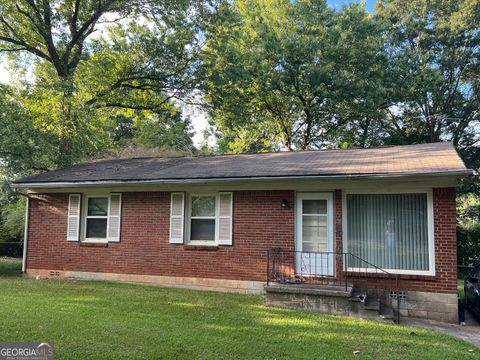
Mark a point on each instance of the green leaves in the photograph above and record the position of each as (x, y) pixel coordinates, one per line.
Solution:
(301, 74)
(54, 31)
(23, 146)
(434, 56)
(93, 62)
(93, 76)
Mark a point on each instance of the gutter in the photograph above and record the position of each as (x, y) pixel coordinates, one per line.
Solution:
(25, 235)
(24, 185)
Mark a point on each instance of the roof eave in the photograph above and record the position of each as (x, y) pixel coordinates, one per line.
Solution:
(73, 184)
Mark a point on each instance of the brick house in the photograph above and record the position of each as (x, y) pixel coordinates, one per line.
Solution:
(378, 219)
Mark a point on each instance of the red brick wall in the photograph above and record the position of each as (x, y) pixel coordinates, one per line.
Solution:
(445, 216)
(260, 223)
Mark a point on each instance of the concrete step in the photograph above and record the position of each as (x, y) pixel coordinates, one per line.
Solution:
(358, 297)
(386, 313)
(311, 289)
(331, 299)
(372, 305)
(368, 307)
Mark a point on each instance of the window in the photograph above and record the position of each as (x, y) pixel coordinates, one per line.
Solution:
(203, 217)
(314, 225)
(96, 218)
(390, 231)
(209, 218)
(99, 216)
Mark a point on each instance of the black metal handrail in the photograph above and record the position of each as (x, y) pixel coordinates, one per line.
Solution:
(322, 268)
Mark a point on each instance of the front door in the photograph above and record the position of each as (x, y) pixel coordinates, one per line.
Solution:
(314, 237)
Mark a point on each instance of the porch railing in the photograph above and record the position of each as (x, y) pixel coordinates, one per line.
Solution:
(328, 268)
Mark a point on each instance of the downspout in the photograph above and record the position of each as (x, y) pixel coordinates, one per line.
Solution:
(25, 235)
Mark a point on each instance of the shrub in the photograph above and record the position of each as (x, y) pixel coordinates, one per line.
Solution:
(468, 238)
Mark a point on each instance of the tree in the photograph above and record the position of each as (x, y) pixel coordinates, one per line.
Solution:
(53, 31)
(13, 216)
(168, 131)
(293, 75)
(434, 55)
(86, 68)
(23, 146)
(81, 83)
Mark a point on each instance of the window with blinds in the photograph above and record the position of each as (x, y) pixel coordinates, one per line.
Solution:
(389, 230)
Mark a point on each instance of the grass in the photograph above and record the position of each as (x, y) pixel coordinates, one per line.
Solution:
(10, 266)
(91, 320)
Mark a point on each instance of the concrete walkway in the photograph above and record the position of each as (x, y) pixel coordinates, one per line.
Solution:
(470, 332)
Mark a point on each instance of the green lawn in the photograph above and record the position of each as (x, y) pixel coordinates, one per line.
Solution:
(10, 266)
(91, 320)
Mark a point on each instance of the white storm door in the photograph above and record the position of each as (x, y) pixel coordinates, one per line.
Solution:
(314, 234)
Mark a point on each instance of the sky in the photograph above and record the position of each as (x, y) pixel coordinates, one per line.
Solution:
(4, 75)
(199, 119)
(370, 4)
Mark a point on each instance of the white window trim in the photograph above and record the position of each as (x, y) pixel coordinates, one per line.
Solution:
(430, 229)
(189, 220)
(86, 216)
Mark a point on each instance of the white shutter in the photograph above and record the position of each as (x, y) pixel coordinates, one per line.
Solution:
(114, 216)
(177, 213)
(225, 209)
(73, 218)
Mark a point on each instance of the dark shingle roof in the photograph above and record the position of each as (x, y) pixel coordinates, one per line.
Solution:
(427, 159)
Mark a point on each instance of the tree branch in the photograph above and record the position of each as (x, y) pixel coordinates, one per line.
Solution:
(27, 47)
(79, 36)
(86, 25)
(153, 108)
(13, 49)
(74, 18)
